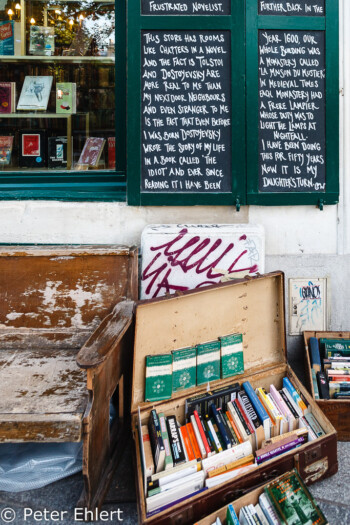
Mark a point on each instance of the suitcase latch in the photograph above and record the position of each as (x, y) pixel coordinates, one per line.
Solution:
(313, 455)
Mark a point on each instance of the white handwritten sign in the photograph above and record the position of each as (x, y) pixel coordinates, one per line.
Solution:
(183, 257)
(307, 305)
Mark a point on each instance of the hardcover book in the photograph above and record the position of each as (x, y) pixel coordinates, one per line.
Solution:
(163, 427)
(293, 502)
(35, 93)
(7, 97)
(42, 41)
(6, 144)
(32, 149)
(57, 152)
(111, 153)
(66, 97)
(91, 152)
(7, 40)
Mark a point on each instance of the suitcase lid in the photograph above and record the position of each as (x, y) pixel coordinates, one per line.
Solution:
(251, 306)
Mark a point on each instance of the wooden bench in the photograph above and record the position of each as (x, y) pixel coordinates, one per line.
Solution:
(65, 348)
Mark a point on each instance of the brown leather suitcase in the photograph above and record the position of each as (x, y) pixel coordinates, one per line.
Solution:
(337, 410)
(255, 308)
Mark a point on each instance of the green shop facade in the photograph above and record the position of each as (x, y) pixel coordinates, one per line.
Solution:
(174, 103)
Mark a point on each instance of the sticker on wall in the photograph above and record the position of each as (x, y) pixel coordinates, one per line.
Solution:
(307, 304)
(179, 257)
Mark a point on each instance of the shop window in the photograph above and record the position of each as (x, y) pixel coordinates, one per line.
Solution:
(61, 108)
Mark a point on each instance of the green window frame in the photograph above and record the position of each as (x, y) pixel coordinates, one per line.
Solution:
(74, 185)
(328, 24)
(233, 23)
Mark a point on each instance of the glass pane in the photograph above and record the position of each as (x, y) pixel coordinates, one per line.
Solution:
(57, 83)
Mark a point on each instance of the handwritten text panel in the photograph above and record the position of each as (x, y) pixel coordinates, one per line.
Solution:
(292, 8)
(186, 112)
(292, 111)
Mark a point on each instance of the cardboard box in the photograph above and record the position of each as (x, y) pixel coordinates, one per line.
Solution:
(255, 308)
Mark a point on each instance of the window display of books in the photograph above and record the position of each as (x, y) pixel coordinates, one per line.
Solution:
(224, 432)
(57, 81)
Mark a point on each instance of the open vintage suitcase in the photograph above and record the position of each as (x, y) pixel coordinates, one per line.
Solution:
(337, 410)
(255, 308)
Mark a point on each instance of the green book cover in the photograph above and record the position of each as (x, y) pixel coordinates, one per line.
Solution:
(184, 368)
(232, 362)
(329, 341)
(337, 348)
(208, 362)
(66, 97)
(158, 377)
(293, 502)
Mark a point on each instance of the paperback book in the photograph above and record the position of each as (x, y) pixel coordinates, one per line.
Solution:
(7, 37)
(35, 93)
(6, 144)
(7, 97)
(32, 149)
(42, 40)
(57, 152)
(293, 502)
(66, 97)
(92, 151)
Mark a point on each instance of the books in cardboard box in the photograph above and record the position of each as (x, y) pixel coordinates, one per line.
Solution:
(35, 93)
(6, 144)
(42, 40)
(92, 151)
(66, 97)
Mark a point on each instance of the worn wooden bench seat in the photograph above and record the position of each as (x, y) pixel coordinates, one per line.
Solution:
(65, 318)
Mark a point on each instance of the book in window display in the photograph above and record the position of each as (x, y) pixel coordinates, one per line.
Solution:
(91, 153)
(35, 93)
(7, 97)
(66, 97)
(57, 152)
(7, 39)
(42, 41)
(32, 149)
(6, 144)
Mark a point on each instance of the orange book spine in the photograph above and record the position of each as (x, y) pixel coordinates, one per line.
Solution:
(234, 426)
(187, 443)
(193, 441)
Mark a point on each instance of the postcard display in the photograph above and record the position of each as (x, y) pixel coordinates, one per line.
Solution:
(336, 410)
(254, 308)
(57, 85)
